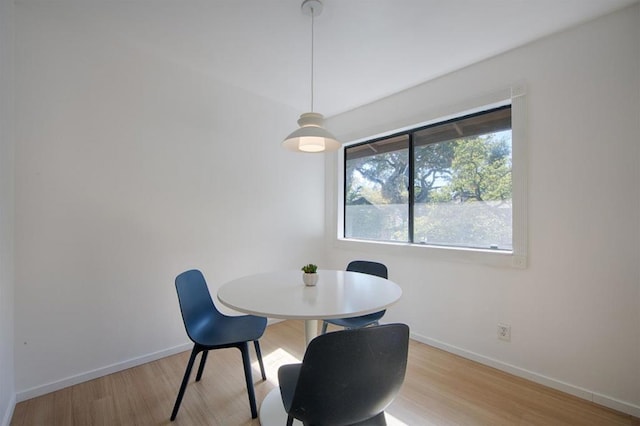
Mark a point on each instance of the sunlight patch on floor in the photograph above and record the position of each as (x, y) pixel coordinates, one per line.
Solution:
(392, 421)
(273, 361)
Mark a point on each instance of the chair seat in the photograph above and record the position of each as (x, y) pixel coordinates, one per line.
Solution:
(357, 322)
(224, 330)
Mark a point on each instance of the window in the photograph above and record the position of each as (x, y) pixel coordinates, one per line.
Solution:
(446, 184)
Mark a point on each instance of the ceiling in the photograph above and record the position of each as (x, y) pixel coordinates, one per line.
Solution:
(364, 49)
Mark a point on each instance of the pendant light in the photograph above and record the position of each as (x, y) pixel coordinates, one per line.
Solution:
(311, 136)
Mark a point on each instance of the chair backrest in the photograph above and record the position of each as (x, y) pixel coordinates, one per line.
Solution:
(196, 304)
(351, 375)
(368, 267)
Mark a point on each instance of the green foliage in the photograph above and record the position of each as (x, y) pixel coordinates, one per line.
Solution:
(481, 170)
(432, 167)
(310, 268)
(476, 168)
(383, 174)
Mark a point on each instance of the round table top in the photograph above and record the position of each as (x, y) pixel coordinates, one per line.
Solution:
(282, 294)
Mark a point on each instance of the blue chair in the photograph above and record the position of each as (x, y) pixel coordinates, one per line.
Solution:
(346, 378)
(209, 329)
(365, 267)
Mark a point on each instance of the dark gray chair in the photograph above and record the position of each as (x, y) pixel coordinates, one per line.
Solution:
(346, 378)
(365, 267)
(210, 329)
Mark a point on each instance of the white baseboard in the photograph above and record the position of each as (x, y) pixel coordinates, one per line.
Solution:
(6, 419)
(607, 401)
(103, 371)
(99, 372)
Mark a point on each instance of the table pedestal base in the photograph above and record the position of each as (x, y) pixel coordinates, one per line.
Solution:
(310, 330)
(272, 411)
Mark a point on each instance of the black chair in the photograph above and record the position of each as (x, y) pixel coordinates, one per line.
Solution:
(365, 267)
(346, 378)
(209, 329)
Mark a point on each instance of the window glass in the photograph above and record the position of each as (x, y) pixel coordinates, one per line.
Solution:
(447, 184)
(376, 190)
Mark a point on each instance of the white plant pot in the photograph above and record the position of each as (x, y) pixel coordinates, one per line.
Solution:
(310, 279)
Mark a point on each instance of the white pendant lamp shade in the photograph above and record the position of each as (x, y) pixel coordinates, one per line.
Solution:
(311, 136)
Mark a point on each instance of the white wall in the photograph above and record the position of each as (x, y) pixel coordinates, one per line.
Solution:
(130, 168)
(575, 310)
(7, 379)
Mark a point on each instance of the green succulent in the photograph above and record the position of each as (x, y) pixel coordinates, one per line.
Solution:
(310, 268)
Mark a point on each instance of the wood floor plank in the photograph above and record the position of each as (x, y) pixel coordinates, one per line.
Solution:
(439, 389)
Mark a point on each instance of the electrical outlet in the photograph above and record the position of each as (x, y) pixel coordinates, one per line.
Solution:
(519, 261)
(504, 332)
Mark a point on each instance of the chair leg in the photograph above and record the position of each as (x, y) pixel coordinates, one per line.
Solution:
(289, 420)
(246, 362)
(324, 327)
(185, 380)
(256, 345)
(203, 360)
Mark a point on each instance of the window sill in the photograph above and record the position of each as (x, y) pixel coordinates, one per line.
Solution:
(494, 258)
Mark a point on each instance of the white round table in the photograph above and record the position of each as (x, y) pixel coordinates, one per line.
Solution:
(283, 295)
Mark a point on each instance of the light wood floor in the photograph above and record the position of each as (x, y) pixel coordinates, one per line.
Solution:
(439, 389)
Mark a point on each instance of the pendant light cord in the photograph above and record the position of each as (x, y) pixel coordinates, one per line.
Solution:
(312, 19)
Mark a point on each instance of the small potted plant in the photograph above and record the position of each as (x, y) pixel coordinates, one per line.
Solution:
(310, 275)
